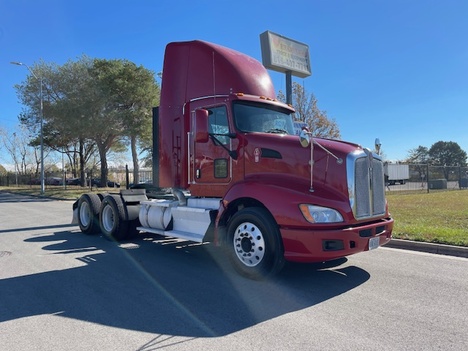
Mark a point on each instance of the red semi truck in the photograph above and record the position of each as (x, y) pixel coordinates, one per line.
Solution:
(239, 175)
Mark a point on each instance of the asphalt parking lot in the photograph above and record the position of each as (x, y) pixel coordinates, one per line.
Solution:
(63, 290)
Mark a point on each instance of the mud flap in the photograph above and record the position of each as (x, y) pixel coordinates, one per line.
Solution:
(75, 213)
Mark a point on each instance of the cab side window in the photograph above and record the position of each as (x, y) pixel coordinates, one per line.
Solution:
(218, 123)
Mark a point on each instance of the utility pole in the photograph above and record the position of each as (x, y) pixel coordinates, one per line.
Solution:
(41, 117)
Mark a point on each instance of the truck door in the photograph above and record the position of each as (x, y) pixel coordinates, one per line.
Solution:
(211, 162)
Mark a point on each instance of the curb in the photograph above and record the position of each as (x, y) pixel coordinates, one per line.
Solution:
(440, 249)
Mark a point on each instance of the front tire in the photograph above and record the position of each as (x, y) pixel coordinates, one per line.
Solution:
(254, 243)
(112, 218)
(88, 213)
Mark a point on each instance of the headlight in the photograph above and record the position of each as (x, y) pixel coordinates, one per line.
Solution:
(318, 214)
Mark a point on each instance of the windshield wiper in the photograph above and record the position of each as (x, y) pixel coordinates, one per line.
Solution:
(277, 131)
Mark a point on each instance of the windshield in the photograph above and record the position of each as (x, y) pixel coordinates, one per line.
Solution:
(257, 117)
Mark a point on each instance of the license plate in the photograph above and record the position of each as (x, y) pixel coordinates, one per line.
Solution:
(374, 243)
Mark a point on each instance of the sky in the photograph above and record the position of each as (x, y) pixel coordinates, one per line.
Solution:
(396, 70)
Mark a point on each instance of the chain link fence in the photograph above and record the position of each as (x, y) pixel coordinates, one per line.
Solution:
(116, 178)
(420, 177)
(415, 178)
(12, 179)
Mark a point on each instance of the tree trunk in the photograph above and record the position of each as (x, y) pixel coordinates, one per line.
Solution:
(82, 162)
(103, 157)
(37, 162)
(136, 168)
(71, 161)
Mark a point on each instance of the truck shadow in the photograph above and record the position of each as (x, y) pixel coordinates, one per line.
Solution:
(158, 285)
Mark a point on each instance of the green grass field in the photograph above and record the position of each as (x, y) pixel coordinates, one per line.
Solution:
(437, 217)
(57, 192)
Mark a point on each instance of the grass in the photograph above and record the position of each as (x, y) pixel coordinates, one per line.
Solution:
(437, 217)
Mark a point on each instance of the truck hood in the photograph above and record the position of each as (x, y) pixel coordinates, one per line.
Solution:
(281, 159)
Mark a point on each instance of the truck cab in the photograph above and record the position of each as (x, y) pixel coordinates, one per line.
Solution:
(241, 176)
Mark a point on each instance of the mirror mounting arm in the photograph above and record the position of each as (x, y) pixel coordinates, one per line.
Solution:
(232, 153)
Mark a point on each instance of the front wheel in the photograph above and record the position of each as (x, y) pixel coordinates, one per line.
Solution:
(254, 243)
(112, 218)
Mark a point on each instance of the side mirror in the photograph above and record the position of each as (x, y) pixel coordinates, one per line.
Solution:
(378, 145)
(304, 137)
(201, 126)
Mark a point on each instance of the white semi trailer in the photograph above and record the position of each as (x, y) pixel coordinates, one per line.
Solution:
(396, 173)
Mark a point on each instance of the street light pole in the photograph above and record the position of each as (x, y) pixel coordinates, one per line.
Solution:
(41, 121)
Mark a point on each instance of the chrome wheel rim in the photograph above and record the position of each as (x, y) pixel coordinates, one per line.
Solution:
(249, 244)
(108, 219)
(85, 214)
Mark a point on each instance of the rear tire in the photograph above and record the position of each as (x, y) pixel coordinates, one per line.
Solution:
(254, 243)
(88, 213)
(112, 218)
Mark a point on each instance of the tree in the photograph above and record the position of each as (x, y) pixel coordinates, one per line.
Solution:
(89, 105)
(447, 154)
(418, 155)
(71, 116)
(20, 152)
(66, 92)
(133, 91)
(307, 111)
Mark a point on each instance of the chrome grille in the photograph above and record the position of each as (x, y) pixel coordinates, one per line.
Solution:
(366, 186)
